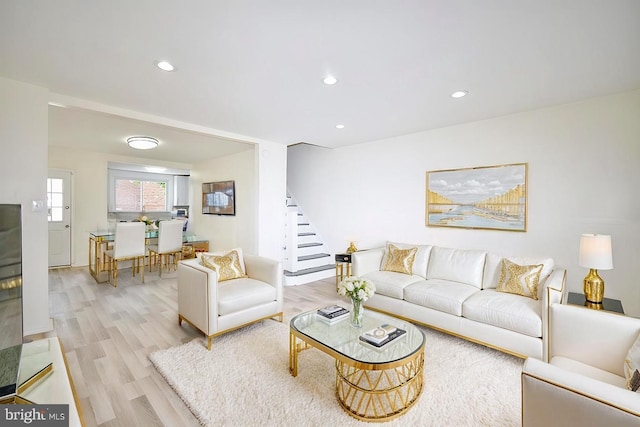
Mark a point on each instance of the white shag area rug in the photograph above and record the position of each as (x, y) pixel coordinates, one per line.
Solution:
(244, 381)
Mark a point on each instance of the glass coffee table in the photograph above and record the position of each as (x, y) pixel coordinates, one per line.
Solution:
(371, 384)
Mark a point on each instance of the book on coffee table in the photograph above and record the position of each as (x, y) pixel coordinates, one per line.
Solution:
(332, 314)
(382, 335)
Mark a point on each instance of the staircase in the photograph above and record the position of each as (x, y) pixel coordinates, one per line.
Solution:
(305, 259)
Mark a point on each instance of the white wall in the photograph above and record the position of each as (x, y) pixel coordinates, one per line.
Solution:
(260, 187)
(89, 192)
(260, 176)
(271, 180)
(584, 171)
(258, 226)
(226, 232)
(23, 172)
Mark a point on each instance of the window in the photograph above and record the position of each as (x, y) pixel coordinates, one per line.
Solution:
(140, 196)
(55, 199)
(131, 191)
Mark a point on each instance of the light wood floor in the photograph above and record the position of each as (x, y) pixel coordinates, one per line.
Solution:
(107, 334)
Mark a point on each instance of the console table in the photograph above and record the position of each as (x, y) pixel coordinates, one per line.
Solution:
(45, 379)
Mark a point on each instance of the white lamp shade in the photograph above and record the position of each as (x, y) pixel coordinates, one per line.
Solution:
(595, 252)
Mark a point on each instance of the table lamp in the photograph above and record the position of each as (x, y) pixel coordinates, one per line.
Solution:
(595, 254)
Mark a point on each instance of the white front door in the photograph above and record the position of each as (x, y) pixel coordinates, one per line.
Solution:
(59, 216)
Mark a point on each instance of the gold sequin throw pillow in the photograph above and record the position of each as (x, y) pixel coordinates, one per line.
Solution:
(632, 367)
(519, 279)
(399, 260)
(227, 266)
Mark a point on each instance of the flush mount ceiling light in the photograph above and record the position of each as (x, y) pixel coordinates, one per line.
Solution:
(165, 66)
(330, 80)
(142, 142)
(339, 126)
(459, 94)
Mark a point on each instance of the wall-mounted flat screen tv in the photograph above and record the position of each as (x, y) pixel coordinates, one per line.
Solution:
(10, 299)
(219, 198)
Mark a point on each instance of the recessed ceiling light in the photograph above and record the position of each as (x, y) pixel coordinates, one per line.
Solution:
(330, 80)
(459, 94)
(339, 126)
(142, 142)
(165, 66)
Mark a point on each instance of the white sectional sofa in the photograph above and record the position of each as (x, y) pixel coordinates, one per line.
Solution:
(454, 290)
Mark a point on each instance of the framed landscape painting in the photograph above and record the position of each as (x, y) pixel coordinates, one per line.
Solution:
(487, 197)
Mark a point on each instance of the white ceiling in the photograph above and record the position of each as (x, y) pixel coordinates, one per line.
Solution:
(107, 133)
(255, 67)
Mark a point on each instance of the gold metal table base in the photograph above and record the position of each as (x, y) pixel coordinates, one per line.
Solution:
(343, 269)
(97, 267)
(295, 347)
(367, 391)
(371, 395)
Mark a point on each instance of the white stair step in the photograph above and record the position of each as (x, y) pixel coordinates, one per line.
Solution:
(308, 277)
(305, 262)
(307, 228)
(309, 250)
(307, 237)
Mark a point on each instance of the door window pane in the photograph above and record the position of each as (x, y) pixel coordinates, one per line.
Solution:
(55, 214)
(55, 201)
(56, 185)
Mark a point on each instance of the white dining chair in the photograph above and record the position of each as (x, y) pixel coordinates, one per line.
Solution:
(169, 247)
(129, 244)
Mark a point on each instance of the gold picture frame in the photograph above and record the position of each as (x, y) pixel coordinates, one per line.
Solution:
(486, 197)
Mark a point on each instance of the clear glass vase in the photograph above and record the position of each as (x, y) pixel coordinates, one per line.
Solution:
(357, 312)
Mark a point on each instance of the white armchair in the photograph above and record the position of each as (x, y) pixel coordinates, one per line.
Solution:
(216, 308)
(583, 383)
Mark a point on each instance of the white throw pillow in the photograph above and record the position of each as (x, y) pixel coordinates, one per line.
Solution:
(632, 367)
(457, 265)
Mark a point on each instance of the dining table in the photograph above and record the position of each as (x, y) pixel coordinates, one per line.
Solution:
(102, 240)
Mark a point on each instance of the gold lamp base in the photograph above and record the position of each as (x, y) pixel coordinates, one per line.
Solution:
(593, 305)
(593, 287)
(352, 248)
